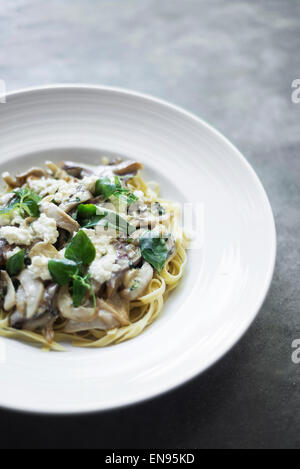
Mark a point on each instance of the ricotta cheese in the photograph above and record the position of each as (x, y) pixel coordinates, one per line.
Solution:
(45, 229)
(103, 268)
(39, 267)
(101, 242)
(15, 235)
(11, 253)
(60, 190)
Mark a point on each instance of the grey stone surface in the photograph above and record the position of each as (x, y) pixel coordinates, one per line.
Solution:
(231, 62)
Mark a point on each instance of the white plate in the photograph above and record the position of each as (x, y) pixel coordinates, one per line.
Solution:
(226, 280)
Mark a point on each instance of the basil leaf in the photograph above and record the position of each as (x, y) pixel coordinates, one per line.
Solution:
(79, 290)
(15, 263)
(86, 211)
(31, 208)
(86, 215)
(81, 249)
(27, 202)
(32, 196)
(105, 187)
(62, 270)
(154, 250)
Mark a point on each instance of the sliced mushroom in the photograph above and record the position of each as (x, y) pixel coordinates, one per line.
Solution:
(18, 321)
(57, 172)
(3, 249)
(170, 244)
(75, 169)
(127, 167)
(80, 196)
(28, 221)
(50, 297)
(34, 290)
(63, 220)
(108, 314)
(115, 282)
(8, 289)
(50, 303)
(63, 239)
(81, 169)
(44, 249)
(136, 281)
(20, 179)
(10, 181)
(69, 311)
(45, 316)
(117, 307)
(104, 321)
(21, 300)
(35, 172)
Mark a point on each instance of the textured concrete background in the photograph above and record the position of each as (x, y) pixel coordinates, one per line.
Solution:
(231, 62)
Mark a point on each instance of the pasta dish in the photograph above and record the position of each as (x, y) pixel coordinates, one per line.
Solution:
(88, 254)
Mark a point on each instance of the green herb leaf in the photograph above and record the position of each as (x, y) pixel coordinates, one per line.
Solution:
(80, 285)
(25, 201)
(108, 188)
(105, 187)
(81, 249)
(154, 250)
(79, 290)
(62, 270)
(86, 215)
(86, 211)
(15, 263)
(30, 207)
(80, 252)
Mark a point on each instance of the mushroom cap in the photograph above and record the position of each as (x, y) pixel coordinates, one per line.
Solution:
(108, 313)
(136, 282)
(10, 295)
(69, 311)
(63, 220)
(20, 179)
(34, 290)
(104, 321)
(82, 169)
(44, 249)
